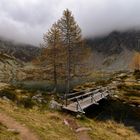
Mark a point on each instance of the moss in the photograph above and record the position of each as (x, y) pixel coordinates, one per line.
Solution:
(26, 102)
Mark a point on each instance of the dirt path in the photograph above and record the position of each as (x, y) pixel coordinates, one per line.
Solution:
(81, 135)
(24, 132)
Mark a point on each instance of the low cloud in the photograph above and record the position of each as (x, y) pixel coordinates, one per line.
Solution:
(27, 20)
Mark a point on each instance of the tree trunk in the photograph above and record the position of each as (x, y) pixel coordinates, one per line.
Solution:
(55, 74)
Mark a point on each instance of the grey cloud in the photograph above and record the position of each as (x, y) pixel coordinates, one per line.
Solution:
(27, 20)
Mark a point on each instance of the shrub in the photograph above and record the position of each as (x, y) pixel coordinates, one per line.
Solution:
(26, 102)
(101, 82)
(121, 86)
(10, 94)
(137, 74)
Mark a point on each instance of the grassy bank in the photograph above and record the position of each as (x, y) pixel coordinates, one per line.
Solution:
(50, 124)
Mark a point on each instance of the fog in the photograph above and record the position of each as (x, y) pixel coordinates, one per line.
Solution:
(26, 20)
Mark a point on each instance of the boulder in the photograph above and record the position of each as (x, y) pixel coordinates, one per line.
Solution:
(116, 96)
(55, 105)
(39, 98)
(5, 98)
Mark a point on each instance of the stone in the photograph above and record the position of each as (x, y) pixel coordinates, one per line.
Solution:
(78, 116)
(122, 75)
(115, 82)
(5, 98)
(15, 131)
(39, 98)
(132, 105)
(124, 102)
(55, 105)
(18, 91)
(116, 96)
(81, 129)
(44, 101)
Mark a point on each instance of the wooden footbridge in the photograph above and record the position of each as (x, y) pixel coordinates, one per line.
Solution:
(78, 101)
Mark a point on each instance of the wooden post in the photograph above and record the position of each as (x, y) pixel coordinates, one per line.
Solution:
(91, 98)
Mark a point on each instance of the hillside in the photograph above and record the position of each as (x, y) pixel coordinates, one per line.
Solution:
(23, 52)
(116, 42)
(111, 52)
(9, 66)
(115, 51)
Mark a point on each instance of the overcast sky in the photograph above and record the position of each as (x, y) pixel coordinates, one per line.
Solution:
(27, 20)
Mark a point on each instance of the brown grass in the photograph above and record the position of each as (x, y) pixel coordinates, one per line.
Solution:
(6, 135)
(49, 125)
(46, 124)
(111, 130)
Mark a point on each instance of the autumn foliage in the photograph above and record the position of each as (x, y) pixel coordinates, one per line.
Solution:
(136, 61)
(64, 51)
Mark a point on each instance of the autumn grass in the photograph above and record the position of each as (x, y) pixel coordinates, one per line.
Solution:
(100, 75)
(6, 135)
(130, 92)
(110, 130)
(49, 124)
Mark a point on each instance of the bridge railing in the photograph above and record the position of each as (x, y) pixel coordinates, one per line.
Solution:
(78, 107)
(84, 95)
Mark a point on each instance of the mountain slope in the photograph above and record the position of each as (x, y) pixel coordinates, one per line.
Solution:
(115, 51)
(112, 52)
(21, 51)
(9, 66)
(115, 42)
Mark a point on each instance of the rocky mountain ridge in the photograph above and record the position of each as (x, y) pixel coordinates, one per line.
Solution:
(20, 51)
(115, 51)
(116, 42)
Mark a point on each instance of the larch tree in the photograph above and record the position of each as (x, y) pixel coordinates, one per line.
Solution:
(73, 42)
(65, 53)
(52, 43)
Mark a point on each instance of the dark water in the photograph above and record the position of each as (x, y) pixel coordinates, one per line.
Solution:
(48, 86)
(119, 112)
